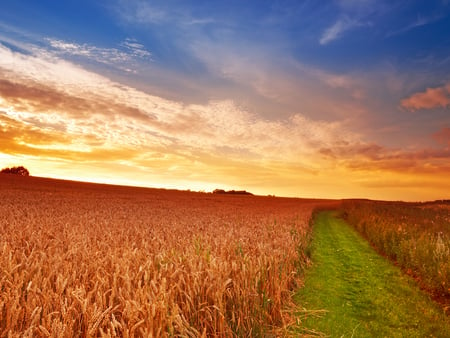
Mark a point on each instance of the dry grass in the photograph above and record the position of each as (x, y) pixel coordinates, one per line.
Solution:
(82, 260)
(415, 235)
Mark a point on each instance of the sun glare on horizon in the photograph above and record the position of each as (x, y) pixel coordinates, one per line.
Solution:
(355, 104)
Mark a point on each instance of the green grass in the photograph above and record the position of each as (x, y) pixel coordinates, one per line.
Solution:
(362, 294)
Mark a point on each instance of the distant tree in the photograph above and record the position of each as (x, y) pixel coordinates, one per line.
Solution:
(21, 171)
(232, 192)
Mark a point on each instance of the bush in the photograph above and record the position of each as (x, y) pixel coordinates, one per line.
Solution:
(21, 171)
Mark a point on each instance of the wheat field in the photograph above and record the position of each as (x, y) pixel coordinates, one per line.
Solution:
(87, 260)
(414, 235)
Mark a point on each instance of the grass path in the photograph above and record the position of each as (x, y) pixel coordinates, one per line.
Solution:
(363, 294)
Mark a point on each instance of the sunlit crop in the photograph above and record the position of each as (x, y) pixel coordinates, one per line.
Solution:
(92, 260)
(415, 235)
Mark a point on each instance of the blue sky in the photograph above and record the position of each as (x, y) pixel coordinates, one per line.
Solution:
(362, 86)
(338, 35)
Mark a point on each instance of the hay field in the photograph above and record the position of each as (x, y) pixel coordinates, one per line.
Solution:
(87, 260)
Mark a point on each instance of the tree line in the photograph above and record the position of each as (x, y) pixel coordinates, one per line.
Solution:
(21, 171)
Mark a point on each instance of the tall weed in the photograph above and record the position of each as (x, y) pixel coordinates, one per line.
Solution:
(416, 235)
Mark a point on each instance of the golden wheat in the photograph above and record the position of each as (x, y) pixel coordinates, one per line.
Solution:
(89, 260)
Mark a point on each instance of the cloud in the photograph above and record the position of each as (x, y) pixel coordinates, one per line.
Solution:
(19, 137)
(35, 90)
(141, 12)
(373, 158)
(431, 98)
(418, 22)
(276, 85)
(352, 14)
(442, 136)
(54, 111)
(123, 58)
(337, 30)
(136, 49)
(147, 13)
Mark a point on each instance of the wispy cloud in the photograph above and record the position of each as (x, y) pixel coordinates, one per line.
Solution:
(335, 31)
(372, 157)
(352, 14)
(136, 49)
(276, 85)
(153, 13)
(56, 111)
(419, 22)
(258, 115)
(123, 58)
(141, 12)
(82, 100)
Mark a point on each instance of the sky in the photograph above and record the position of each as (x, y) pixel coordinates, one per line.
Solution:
(321, 99)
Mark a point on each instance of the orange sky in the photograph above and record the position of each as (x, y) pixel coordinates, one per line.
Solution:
(62, 120)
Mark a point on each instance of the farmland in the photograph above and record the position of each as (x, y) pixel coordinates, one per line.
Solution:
(82, 259)
(416, 236)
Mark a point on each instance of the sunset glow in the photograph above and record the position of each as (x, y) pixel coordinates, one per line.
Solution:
(339, 100)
